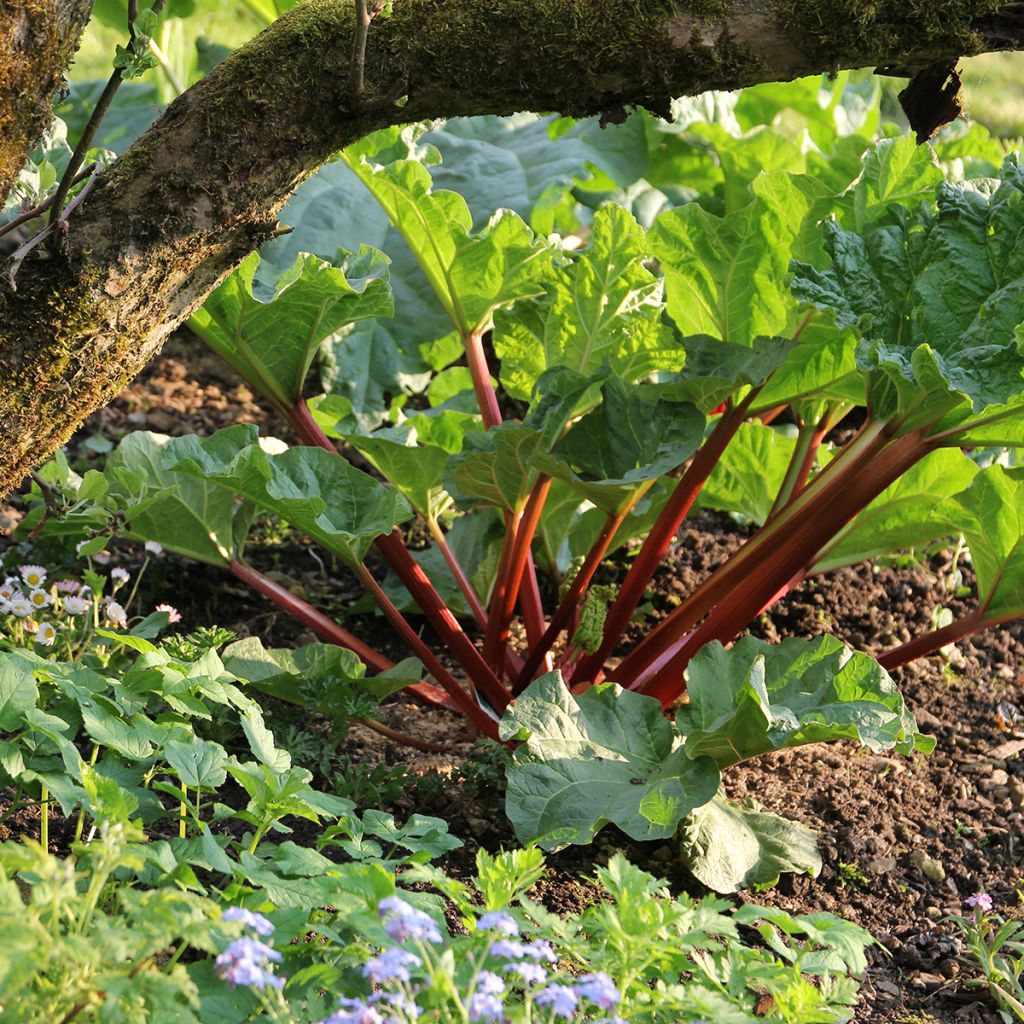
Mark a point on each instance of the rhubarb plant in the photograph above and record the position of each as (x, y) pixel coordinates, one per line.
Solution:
(818, 343)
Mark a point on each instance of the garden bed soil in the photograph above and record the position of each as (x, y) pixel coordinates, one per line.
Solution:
(904, 841)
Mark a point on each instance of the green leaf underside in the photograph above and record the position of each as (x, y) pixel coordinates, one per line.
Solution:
(906, 514)
(990, 515)
(730, 846)
(190, 516)
(272, 342)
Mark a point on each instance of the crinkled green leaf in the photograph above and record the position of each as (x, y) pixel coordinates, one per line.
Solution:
(757, 697)
(990, 515)
(190, 516)
(494, 468)
(730, 846)
(715, 370)
(725, 276)
(936, 298)
(315, 490)
(627, 441)
(470, 275)
(607, 756)
(747, 478)
(896, 172)
(905, 514)
(272, 340)
(604, 308)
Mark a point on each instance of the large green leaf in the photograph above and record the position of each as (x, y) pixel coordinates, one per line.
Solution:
(471, 275)
(936, 297)
(896, 172)
(725, 276)
(189, 516)
(604, 308)
(494, 468)
(990, 515)
(747, 478)
(715, 370)
(272, 340)
(315, 490)
(627, 441)
(905, 514)
(607, 756)
(730, 846)
(416, 470)
(18, 690)
(757, 697)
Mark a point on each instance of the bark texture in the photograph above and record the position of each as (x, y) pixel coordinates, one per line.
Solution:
(203, 187)
(38, 38)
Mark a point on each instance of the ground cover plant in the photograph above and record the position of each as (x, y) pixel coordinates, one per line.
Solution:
(772, 306)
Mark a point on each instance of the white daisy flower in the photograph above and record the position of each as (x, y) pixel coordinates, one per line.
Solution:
(116, 615)
(45, 634)
(21, 606)
(39, 599)
(76, 605)
(33, 575)
(119, 574)
(153, 548)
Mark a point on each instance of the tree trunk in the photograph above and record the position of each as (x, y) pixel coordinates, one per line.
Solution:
(37, 41)
(203, 187)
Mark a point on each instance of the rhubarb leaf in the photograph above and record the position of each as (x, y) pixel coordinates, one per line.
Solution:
(603, 309)
(315, 490)
(936, 298)
(626, 442)
(730, 846)
(747, 478)
(905, 514)
(608, 756)
(189, 516)
(494, 468)
(715, 370)
(990, 515)
(416, 470)
(272, 340)
(757, 697)
(471, 275)
(725, 276)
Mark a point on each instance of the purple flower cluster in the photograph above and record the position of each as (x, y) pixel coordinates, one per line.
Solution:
(980, 901)
(523, 975)
(406, 922)
(247, 961)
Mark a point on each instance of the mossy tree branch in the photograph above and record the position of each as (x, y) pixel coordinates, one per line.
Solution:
(203, 187)
(38, 38)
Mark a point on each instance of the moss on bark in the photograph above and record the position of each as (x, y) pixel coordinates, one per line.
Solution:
(38, 38)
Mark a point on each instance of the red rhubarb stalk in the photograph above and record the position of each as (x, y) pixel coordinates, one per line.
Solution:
(466, 703)
(830, 509)
(330, 631)
(658, 540)
(525, 528)
(741, 565)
